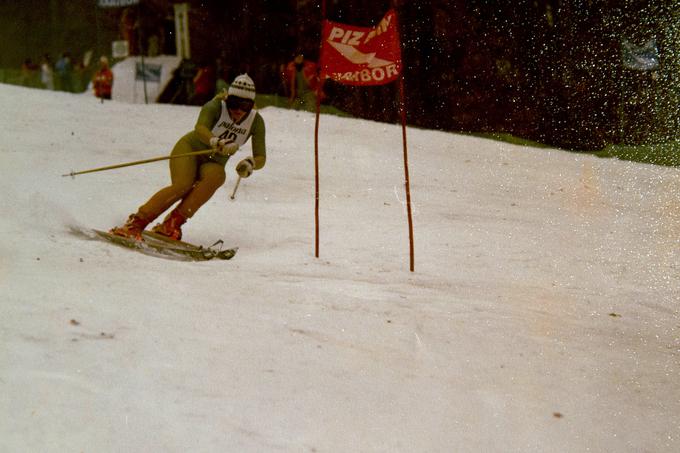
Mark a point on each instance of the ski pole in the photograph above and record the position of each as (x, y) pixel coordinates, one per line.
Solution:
(139, 162)
(233, 194)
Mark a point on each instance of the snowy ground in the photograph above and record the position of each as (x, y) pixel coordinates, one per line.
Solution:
(542, 315)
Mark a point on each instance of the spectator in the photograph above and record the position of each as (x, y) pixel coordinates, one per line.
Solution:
(302, 80)
(78, 79)
(129, 30)
(29, 71)
(46, 72)
(204, 85)
(64, 70)
(102, 80)
(222, 75)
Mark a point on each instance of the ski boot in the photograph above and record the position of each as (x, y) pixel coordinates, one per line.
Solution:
(171, 226)
(132, 229)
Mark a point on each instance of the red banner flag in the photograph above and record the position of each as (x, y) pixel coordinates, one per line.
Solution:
(361, 55)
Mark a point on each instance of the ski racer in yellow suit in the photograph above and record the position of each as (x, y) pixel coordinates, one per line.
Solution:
(224, 124)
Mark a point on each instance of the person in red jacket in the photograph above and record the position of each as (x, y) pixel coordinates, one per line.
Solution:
(103, 80)
(302, 81)
(204, 85)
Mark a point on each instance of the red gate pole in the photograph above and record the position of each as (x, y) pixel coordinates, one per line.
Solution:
(319, 87)
(316, 174)
(407, 184)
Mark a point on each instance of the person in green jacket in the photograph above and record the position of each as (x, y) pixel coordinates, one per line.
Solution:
(224, 124)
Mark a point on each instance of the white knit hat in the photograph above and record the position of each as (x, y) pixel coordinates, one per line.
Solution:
(243, 87)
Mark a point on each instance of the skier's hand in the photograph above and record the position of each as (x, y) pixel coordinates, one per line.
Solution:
(223, 146)
(215, 142)
(245, 167)
(228, 149)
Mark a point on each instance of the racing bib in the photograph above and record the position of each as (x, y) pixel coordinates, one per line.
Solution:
(227, 128)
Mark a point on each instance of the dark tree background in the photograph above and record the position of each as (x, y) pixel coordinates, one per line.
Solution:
(548, 70)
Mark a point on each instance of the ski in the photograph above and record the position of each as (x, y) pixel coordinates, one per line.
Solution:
(160, 246)
(214, 251)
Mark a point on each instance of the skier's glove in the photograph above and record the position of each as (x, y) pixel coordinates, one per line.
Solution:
(245, 167)
(215, 142)
(223, 147)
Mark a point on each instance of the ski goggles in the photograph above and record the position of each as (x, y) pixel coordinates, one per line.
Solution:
(242, 104)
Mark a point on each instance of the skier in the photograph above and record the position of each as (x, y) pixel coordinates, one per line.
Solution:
(224, 124)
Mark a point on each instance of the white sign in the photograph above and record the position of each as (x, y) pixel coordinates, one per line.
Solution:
(116, 3)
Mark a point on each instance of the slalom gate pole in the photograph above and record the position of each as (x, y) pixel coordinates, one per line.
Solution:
(316, 174)
(139, 162)
(233, 193)
(407, 184)
(319, 89)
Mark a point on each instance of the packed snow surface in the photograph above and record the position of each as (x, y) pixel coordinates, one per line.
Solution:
(542, 315)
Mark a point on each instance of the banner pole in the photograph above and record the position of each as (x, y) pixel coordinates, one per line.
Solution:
(407, 183)
(319, 87)
(316, 176)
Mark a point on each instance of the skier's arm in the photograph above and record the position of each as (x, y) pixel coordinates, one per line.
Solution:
(258, 142)
(206, 119)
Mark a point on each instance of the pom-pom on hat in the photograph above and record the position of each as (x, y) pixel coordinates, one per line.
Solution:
(243, 87)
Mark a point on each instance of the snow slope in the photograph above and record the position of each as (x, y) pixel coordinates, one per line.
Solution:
(542, 314)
